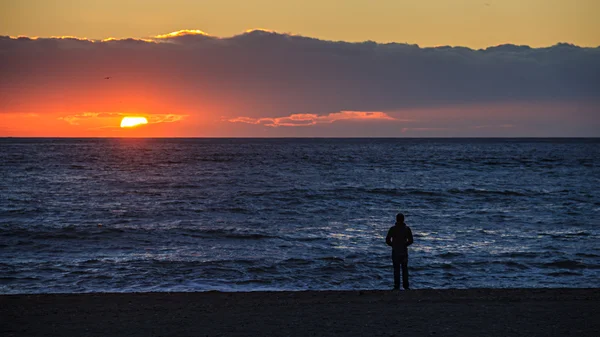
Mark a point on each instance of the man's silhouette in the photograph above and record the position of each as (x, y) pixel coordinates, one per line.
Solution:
(399, 237)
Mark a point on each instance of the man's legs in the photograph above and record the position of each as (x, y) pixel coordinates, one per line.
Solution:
(397, 260)
(396, 274)
(405, 273)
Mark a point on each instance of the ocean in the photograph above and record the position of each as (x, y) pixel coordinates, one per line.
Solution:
(132, 215)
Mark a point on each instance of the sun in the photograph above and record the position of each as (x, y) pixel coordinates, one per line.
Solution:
(129, 122)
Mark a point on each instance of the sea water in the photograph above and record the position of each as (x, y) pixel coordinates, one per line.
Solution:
(128, 215)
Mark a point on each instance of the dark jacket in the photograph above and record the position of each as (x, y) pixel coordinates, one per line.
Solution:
(399, 237)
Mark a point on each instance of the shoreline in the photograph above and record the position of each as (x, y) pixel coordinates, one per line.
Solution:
(426, 312)
(421, 291)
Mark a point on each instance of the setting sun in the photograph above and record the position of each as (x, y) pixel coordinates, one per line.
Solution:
(128, 122)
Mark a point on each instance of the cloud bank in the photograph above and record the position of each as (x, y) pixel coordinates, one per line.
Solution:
(313, 119)
(264, 79)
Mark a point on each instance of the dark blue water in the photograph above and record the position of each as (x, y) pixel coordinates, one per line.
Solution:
(95, 215)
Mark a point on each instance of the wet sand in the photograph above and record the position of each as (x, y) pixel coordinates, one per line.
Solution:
(472, 312)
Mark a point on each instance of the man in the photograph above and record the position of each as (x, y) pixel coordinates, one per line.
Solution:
(399, 237)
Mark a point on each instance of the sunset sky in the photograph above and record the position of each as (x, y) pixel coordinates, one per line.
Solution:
(429, 68)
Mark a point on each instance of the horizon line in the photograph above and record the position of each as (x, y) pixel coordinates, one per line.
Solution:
(324, 137)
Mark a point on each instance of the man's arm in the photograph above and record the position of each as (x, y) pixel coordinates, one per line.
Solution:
(388, 238)
(409, 238)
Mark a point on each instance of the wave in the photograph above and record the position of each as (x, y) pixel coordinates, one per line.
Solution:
(64, 233)
(521, 254)
(514, 264)
(331, 258)
(216, 159)
(241, 210)
(401, 192)
(587, 255)
(475, 191)
(445, 266)
(568, 264)
(428, 193)
(505, 263)
(231, 233)
(340, 192)
(564, 273)
(24, 237)
(296, 261)
(563, 235)
(29, 211)
(449, 255)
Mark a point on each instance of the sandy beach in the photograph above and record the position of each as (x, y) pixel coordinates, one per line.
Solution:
(473, 312)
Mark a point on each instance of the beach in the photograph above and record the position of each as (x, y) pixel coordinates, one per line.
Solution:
(427, 312)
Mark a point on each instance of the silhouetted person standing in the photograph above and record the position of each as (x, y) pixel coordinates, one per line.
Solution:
(399, 237)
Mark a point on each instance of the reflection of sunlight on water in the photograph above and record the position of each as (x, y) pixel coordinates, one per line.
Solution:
(341, 236)
(357, 230)
(356, 236)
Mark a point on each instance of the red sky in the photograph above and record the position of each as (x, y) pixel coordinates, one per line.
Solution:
(263, 84)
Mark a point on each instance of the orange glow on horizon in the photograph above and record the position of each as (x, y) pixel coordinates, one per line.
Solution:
(129, 122)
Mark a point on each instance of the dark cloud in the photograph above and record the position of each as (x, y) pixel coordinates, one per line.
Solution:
(262, 74)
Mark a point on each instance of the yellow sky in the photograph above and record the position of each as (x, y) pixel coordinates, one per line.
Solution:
(472, 23)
